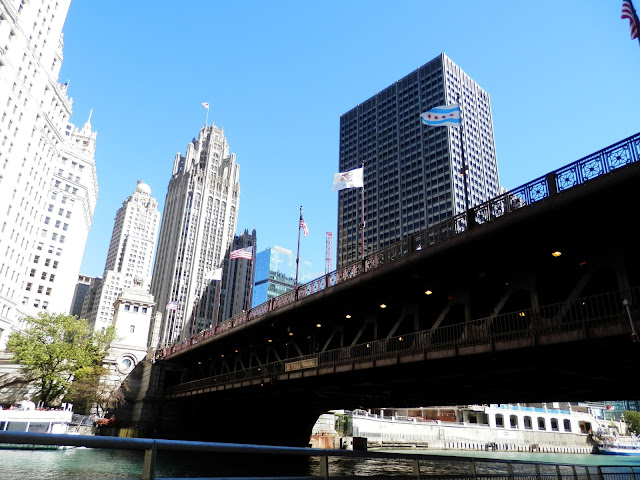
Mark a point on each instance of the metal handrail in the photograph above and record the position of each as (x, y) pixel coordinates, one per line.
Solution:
(581, 313)
(581, 171)
(473, 465)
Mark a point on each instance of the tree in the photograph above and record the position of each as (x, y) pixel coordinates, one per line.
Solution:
(53, 348)
(92, 389)
(633, 420)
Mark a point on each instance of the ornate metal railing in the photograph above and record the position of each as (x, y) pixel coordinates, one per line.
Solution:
(575, 174)
(577, 315)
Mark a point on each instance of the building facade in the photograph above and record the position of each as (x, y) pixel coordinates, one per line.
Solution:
(198, 225)
(412, 172)
(48, 182)
(82, 287)
(237, 277)
(275, 274)
(130, 256)
(133, 309)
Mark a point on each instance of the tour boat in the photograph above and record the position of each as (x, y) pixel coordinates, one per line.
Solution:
(27, 418)
(610, 445)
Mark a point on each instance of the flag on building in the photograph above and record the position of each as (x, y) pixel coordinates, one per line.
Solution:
(246, 253)
(443, 116)
(214, 274)
(205, 105)
(351, 179)
(172, 305)
(303, 226)
(629, 12)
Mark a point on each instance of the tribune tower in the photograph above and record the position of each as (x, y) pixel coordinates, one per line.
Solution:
(198, 226)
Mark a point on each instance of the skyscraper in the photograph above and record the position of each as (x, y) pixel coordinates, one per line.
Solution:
(237, 276)
(48, 183)
(275, 273)
(130, 256)
(412, 172)
(198, 224)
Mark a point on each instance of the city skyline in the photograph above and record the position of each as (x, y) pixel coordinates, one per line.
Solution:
(277, 91)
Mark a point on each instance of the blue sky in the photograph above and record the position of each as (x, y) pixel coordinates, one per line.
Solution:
(563, 79)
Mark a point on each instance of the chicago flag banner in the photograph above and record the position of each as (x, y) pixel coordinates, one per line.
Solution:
(443, 116)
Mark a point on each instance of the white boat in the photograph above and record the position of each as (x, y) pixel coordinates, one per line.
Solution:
(27, 418)
(610, 445)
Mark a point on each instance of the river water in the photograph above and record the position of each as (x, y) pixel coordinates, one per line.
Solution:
(96, 464)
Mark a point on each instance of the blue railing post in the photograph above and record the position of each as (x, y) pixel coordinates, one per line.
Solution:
(416, 468)
(551, 184)
(149, 465)
(324, 467)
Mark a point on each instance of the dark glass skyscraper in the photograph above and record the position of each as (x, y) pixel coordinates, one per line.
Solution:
(412, 172)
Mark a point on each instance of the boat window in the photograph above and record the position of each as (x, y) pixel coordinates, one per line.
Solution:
(567, 425)
(513, 419)
(17, 426)
(541, 424)
(39, 427)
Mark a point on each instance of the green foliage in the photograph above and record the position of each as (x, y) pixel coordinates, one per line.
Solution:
(91, 389)
(633, 420)
(53, 348)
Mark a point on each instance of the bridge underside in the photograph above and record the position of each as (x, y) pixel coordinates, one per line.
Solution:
(572, 342)
(284, 412)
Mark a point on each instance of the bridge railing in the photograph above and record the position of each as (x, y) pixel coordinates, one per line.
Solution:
(570, 316)
(387, 465)
(588, 168)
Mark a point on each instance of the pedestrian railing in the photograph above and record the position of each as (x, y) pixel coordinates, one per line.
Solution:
(389, 465)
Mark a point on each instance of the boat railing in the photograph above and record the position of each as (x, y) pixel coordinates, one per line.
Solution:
(417, 465)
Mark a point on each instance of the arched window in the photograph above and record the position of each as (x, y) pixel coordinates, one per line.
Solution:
(542, 423)
(513, 421)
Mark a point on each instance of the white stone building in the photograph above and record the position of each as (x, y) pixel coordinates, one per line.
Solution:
(130, 255)
(132, 319)
(198, 225)
(48, 183)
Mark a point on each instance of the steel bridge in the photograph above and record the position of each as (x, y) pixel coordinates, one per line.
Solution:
(531, 296)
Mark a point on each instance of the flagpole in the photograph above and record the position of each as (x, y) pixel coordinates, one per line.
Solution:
(362, 223)
(464, 163)
(298, 254)
(635, 14)
(253, 269)
(218, 306)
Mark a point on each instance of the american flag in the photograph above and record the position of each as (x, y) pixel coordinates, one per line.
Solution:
(629, 12)
(303, 226)
(172, 305)
(246, 253)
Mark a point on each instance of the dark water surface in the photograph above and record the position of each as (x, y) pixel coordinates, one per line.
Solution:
(97, 464)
